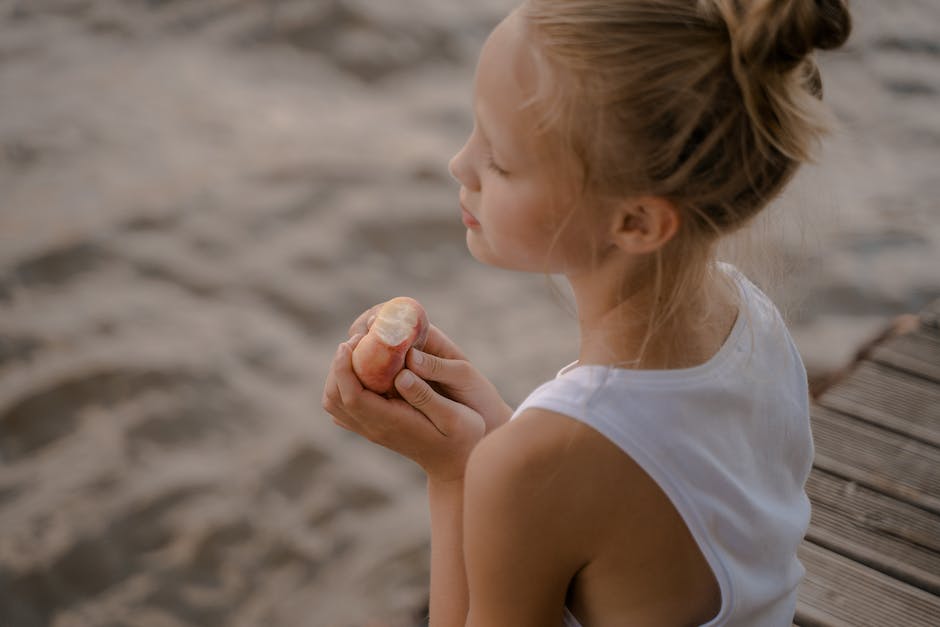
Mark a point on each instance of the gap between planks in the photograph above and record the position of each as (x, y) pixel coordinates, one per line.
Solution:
(877, 458)
(838, 592)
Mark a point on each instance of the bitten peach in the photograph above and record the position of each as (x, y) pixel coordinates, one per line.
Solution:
(399, 324)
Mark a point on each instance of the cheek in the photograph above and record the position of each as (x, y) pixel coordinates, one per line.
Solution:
(521, 235)
(520, 217)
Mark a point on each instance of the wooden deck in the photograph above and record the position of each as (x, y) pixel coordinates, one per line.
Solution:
(872, 553)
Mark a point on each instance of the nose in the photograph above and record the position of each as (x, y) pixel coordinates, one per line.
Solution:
(461, 169)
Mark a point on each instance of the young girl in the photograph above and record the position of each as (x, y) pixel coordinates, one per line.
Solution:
(659, 479)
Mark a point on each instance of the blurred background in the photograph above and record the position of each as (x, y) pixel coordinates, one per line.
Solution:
(196, 199)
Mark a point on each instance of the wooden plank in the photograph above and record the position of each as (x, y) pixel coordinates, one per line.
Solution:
(930, 317)
(885, 534)
(917, 353)
(838, 592)
(885, 461)
(889, 397)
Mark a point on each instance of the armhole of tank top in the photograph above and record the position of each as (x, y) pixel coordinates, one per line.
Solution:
(680, 502)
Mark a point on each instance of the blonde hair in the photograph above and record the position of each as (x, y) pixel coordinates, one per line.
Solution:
(712, 104)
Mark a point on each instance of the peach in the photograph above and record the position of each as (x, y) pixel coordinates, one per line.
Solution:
(378, 358)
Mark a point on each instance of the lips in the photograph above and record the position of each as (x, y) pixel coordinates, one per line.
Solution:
(468, 218)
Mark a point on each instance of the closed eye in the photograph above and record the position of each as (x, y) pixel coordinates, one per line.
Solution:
(493, 167)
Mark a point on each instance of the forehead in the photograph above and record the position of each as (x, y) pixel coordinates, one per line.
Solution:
(506, 76)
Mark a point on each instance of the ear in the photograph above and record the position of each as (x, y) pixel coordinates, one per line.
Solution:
(645, 224)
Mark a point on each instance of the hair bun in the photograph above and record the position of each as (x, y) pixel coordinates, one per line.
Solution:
(834, 24)
(781, 33)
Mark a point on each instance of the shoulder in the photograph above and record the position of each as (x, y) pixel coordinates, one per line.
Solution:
(553, 509)
(527, 530)
(538, 464)
(537, 444)
(550, 504)
(530, 439)
(527, 471)
(541, 441)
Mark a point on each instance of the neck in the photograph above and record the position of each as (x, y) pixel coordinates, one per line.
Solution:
(618, 326)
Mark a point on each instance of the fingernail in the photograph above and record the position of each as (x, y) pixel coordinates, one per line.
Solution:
(417, 357)
(407, 379)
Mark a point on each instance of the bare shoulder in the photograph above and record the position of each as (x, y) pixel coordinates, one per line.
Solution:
(545, 460)
(529, 523)
(540, 440)
(538, 444)
(531, 441)
(559, 498)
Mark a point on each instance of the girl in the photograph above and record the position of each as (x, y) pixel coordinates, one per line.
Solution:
(659, 479)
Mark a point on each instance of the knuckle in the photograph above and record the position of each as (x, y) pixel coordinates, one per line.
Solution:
(354, 405)
(433, 365)
(463, 368)
(337, 358)
(422, 395)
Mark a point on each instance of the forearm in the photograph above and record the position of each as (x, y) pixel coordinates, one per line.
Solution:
(450, 599)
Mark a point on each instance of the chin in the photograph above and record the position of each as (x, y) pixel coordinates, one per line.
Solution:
(481, 251)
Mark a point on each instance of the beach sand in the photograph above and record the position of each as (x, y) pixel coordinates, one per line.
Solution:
(199, 197)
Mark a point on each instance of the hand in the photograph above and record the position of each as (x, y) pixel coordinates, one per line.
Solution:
(442, 362)
(460, 381)
(434, 431)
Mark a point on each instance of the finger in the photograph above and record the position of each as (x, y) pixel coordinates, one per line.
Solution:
(331, 398)
(441, 411)
(347, 383)
(364, 321)
(354, 340)
(439, 344)
(342, 419)
(383, 421)
(455, 373)
(340, 423)
(342, 362)
(360, 405)
(333, 405)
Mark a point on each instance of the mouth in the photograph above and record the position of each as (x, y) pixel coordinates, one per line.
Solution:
(468, 219)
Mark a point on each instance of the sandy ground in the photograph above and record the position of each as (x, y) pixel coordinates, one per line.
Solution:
(195, 200)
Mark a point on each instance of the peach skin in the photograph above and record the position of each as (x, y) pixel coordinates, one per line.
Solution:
(399, 324)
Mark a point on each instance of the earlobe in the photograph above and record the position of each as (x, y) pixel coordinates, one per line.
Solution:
(644, 225)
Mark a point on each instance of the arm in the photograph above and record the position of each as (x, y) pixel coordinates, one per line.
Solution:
(450, 599)
(550, 502)
(511, 521)
(527, 531)
(500, 553)
(439, 434)
(435, 432)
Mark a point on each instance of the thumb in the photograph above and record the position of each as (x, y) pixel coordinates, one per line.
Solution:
(455, 373)
(442, 412)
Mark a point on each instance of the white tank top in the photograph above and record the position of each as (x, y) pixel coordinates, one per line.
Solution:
(729, 444)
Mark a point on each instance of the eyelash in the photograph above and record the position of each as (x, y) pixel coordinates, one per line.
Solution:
(493, 167)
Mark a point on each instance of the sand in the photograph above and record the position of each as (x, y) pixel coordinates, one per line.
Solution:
(198, 197)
